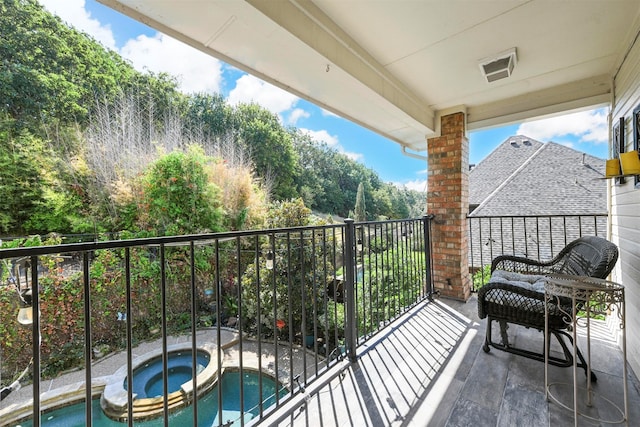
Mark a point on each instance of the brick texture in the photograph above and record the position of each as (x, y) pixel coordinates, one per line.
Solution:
(448, 200)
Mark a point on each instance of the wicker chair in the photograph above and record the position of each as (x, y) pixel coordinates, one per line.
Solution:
(515, 293)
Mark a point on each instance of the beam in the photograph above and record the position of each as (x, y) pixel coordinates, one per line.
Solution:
(583, 94)
(312, 26)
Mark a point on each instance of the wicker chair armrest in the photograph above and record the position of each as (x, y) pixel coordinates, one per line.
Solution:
(521, 265)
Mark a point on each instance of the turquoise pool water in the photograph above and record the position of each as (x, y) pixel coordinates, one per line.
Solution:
(73, 416)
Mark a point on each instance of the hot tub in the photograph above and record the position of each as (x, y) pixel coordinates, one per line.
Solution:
(148, 386)
(148, 378)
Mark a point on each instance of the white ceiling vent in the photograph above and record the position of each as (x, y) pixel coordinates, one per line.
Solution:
(499, 66)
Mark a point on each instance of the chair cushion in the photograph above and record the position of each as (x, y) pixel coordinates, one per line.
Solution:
(531, 282)
(519, 298)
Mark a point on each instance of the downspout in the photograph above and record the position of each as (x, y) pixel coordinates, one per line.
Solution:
(610, 186)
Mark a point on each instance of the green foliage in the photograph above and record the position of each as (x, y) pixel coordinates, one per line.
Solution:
(38, 195)
(292, 292)
(16, 342)
(285, 214)
(209, 114)
(62, 296)
(380, 242)
(21, 183)
(54, 80)
(50, 72)
(331, 323)
(63, 208)
(481, 277)
(179, 197)
(61, 311)
(50, 78)
(391, 283)
(360, 211)
(328, 182)
(270, 146)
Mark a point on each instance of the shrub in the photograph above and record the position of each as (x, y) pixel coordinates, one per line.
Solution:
(242, 198)
(178, 197)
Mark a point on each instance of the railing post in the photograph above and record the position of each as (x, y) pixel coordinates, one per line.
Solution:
(350, 330)
(36, 340)
(88, 347)
(426, 220)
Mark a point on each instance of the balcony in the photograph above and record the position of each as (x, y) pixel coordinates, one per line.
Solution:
(339, 319)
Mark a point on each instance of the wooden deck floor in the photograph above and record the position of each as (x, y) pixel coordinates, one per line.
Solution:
(429, 369)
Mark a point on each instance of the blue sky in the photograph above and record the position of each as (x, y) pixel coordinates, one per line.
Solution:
(149, 50)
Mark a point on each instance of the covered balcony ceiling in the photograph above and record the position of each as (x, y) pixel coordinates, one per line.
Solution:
(396, 66)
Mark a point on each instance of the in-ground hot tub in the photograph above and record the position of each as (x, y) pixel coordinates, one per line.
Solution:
(148, 384)
(148, 378)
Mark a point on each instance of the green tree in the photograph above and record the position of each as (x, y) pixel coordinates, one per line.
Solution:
(208, 114)
(311, 182)
(270, 146)
(360, 209)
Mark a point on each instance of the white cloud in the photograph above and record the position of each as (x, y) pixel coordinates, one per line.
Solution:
(196, 71)
(73, 12)
(416, 185)
(332, 141)
(296, 115)
(251, 89)
(587, 126)
(567, 144)
(356, 157)
(323, 136)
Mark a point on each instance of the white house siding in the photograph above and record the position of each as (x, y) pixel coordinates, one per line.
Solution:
(625, 202)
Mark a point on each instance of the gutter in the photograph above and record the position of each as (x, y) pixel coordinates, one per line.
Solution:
(414, 155)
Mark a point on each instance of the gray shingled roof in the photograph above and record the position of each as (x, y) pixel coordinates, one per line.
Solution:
(499, 165)
(536, 178)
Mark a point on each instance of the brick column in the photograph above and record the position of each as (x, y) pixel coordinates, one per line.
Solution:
(448, 200)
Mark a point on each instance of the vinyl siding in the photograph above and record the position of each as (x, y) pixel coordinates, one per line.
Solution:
(625, 203)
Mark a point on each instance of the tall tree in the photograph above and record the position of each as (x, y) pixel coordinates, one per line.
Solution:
(270, 146)
(360, 209)
(208, 114)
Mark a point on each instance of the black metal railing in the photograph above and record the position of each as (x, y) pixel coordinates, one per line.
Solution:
(539, 237)
(286, 303)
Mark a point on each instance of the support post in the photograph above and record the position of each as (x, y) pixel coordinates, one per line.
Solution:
(448, 200)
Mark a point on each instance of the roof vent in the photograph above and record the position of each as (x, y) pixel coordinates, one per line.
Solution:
(514, 144)
(499, 66)
(526, 142)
